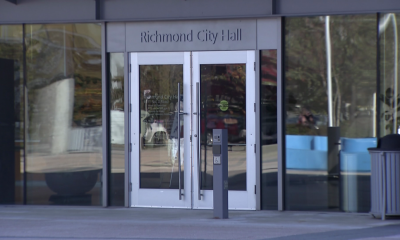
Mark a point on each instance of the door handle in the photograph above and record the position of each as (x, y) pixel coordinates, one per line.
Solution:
(179, 141)
(198, 140)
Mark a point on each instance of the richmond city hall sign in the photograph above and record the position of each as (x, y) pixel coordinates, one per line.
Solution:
(205, 35)
(209, 35)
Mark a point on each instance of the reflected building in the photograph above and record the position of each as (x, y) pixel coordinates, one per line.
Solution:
(63, 135)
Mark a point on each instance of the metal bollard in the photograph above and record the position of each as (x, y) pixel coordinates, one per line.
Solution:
(220, 179)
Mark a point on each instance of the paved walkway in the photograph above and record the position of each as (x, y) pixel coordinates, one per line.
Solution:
(56, 222)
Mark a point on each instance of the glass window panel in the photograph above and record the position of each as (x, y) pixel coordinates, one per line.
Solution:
(306, 111)
(117, 125)
(269, 138)
(354, 51)
(389, 121)
(223, 106)
(11, 115)
(313, 175)
(159, 126)
(64, 114)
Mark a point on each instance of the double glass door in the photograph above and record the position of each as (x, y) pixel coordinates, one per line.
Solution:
(178, 98)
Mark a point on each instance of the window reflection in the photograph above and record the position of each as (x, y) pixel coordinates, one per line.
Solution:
(389, 74)
(313, 175)
(223, 106)
(269, 139)
(117, 126)
(11, 114)
(159, 126)
(64, 158)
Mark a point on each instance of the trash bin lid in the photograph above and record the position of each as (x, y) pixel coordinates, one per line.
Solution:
(389, 142)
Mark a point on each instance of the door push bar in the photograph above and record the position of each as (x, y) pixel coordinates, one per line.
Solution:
(179, 141)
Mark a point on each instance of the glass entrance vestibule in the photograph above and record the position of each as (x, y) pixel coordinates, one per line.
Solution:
(178, 92)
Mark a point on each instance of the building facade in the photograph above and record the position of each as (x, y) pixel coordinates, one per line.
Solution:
(113, 102)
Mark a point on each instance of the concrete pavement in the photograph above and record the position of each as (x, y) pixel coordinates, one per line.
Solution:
(59, 222)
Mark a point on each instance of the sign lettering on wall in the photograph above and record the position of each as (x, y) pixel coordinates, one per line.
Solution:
(191, 35)
(202, 36)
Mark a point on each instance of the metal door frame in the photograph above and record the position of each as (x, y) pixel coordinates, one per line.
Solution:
(239, 200)
(141, 197)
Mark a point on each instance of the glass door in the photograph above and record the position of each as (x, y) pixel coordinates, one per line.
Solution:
(224, 87)
(160, 160)
(181, 98)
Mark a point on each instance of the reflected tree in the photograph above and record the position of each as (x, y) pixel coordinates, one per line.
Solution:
(353, 43)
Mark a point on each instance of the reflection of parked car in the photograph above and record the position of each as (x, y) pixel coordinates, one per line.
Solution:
(321, 120)
(268, 122)
(234, 123)
(153, 130)
(225, 83)
(89, 121)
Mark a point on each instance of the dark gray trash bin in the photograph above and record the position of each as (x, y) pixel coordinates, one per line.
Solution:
(385, 177)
